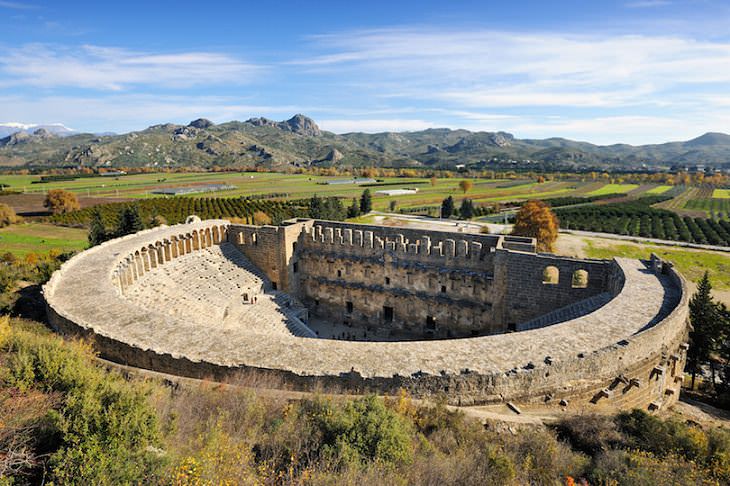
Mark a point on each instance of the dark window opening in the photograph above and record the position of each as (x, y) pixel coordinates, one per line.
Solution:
(430, 323)
(316, 302)
(387, 280)
(273, 285)
(387, 313)
(349, 307)
(295, 267)
(512, 327)
(339, 273)
(294, 246)
(443, 289)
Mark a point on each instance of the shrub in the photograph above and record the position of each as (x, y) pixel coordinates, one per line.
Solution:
(8, 216)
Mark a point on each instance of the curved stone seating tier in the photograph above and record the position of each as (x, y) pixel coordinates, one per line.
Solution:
(189, 313)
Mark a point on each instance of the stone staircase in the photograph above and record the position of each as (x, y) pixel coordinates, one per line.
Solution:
(288, 305)
(567, 313)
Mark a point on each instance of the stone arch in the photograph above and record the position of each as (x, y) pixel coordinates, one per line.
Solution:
(240, 239)
(223, 232)
(145, 260)
(551, 275)
(174, 248)
(216, 236)
(580, 279)
(188, 243)
(208, 238)
(196, 240)
(161, 247)
(152, 255)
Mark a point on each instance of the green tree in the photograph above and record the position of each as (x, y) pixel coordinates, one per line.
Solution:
(704, 314)
(447, 207)
(366, 202)
(129, 221)
(315, 207)
(97, 230)
(392, 205)
(466, 211)
(354, 210)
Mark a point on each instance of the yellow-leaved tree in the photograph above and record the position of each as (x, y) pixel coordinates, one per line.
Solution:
(59, 201)
(535, 219)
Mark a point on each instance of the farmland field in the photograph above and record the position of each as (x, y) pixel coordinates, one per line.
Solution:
(658, 190)
(299, 186)
(24, 238)
(711, 203)
(614, 189)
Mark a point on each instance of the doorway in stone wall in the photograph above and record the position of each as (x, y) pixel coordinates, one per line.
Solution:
(387, 313)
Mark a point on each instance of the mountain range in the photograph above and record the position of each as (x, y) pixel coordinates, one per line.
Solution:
(299, 142)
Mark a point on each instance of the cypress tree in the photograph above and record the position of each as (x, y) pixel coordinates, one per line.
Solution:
(466, 211)
(129, 221)
(354, 210)
(447, 207)
(366, 202)
(705, 316)
(97, 230)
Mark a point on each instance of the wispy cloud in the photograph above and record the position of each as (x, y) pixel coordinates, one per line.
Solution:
(374, 125)
(648, 4)
(491, 68)
(111, 68)
(17, 5)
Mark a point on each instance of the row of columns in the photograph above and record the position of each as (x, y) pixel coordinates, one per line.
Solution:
(135, 265)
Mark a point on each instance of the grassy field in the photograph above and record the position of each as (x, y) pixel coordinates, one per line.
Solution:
(614, 189)
(304, 186)
(21, 239)
(714, 207)
(690, 263)
(721, 193)
(655, 191)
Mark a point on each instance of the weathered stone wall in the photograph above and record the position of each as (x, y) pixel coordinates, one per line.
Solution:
(644, 371)
(628, 353)
(526, 294)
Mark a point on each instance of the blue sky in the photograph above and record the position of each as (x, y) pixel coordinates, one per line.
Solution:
(634, 71)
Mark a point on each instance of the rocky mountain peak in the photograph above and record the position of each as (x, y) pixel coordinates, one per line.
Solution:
(202, 123)
(302, 125)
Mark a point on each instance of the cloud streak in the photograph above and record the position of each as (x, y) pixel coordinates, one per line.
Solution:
(117, 69)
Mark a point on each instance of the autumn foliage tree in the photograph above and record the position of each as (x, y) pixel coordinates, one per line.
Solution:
(535, 219)
(7, 216)
(465, 185)
(59, 201)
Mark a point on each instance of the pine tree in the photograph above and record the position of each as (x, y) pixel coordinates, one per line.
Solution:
(447, 207)
(466, 211)
(129, 221)
(354, 210)
(97, 230)
(705, 316)
(315, 207)
(366, 202)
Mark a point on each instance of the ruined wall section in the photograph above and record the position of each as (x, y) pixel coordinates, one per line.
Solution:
(532, 284)
(271, 249)
(391, 282)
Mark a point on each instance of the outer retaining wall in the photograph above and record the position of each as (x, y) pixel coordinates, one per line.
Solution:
(644, 369)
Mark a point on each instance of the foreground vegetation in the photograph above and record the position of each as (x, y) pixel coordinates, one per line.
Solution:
(64, 419)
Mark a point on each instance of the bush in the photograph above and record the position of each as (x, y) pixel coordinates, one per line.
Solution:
(8, 216)
(101, 429)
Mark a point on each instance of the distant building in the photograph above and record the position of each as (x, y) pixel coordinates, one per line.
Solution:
(361, 180)
(112, 173)
(396, 192)
(177, 191)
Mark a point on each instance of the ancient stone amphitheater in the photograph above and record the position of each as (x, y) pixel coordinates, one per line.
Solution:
(481, 319)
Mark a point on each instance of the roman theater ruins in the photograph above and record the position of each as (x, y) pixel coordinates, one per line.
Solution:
(481, 319)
